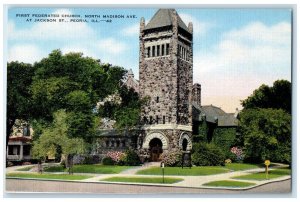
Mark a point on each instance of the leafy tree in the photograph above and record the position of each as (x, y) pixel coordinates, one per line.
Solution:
(74, 83)
(278, 97)
(266, 134)
(127, 112)
(56, 138)
(19, 79)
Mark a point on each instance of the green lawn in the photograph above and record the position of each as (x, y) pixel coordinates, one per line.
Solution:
(228, 183)
(262, 175)
(48, 176)
(100, 169)
(167, 180)
(25, 168)
(201, 170)
(240, 166)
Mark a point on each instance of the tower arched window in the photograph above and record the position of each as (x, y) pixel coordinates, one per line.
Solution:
(153, 51)
(167, 49)
(148, 52)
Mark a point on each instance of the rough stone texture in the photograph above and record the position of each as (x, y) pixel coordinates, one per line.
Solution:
(196, 95)
(167, 80)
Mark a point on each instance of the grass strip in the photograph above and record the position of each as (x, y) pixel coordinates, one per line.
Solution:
(48, 176)
(262, 175)
(240, 166)
(97, 168)
(167, 180)
(194, 171)
(228, 183)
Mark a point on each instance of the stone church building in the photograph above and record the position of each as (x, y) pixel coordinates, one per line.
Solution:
(166, 78)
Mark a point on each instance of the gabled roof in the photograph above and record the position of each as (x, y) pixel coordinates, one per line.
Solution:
(163, 18)
(215, 114)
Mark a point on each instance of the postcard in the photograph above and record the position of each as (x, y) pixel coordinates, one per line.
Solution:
(148, 100)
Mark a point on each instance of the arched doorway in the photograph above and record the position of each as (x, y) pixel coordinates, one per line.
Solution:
(155, 147)
(184, 144)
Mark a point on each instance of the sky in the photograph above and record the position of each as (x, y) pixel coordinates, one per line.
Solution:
(235, 50)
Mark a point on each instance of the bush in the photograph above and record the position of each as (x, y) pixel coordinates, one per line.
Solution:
(26, 163)
(130, 158)
(205, 154)
(172, 158)
(116, 156)
(108, 161)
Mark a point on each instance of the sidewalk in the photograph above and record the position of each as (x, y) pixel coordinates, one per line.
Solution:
(188, 181)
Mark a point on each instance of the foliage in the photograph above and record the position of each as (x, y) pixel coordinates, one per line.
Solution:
(167, 180)
(56, 136)
(74, 83)
(278, 97)
(266, 134)
(127, 112)
(19, 79)
(238, 152)
(116, 156)
(130, 158)
(86, 159)
(108, 161)
(172, 158)
(225, 138)
(228, 183)
(205, 154)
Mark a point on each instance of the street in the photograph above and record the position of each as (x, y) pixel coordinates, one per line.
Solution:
(17, 185)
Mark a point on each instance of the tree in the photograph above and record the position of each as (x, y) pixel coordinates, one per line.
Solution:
(19, 104)
(127, 111)
(56, 137)
(266, 134)
(74, 83)
(278, 97)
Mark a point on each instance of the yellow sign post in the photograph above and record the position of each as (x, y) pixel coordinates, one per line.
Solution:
(267, 163)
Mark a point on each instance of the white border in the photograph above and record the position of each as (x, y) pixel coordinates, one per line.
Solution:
(165, 3)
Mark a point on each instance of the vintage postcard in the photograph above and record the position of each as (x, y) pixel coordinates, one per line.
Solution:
(148, 100)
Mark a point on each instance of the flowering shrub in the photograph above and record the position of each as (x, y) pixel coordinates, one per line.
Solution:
(26, 163)
(171, 158)
(239, 155)
(228, 161)
(116, 156)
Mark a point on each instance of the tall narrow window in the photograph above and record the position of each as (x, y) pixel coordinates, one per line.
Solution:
(153, 51)
(148, 52)
(164, 119)
(158, 49)
(163, 49)
(167, 48)
(157, 99)
(157, 119)
(151, 120)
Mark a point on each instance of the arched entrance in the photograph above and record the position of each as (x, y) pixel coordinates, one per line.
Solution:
(155, 147)
(184, 144)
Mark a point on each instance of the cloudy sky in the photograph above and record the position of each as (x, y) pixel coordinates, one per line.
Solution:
(235, 50)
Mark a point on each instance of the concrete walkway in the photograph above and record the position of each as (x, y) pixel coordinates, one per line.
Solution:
(188, 181)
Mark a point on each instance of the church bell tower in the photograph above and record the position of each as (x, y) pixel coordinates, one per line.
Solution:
(166, 79)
